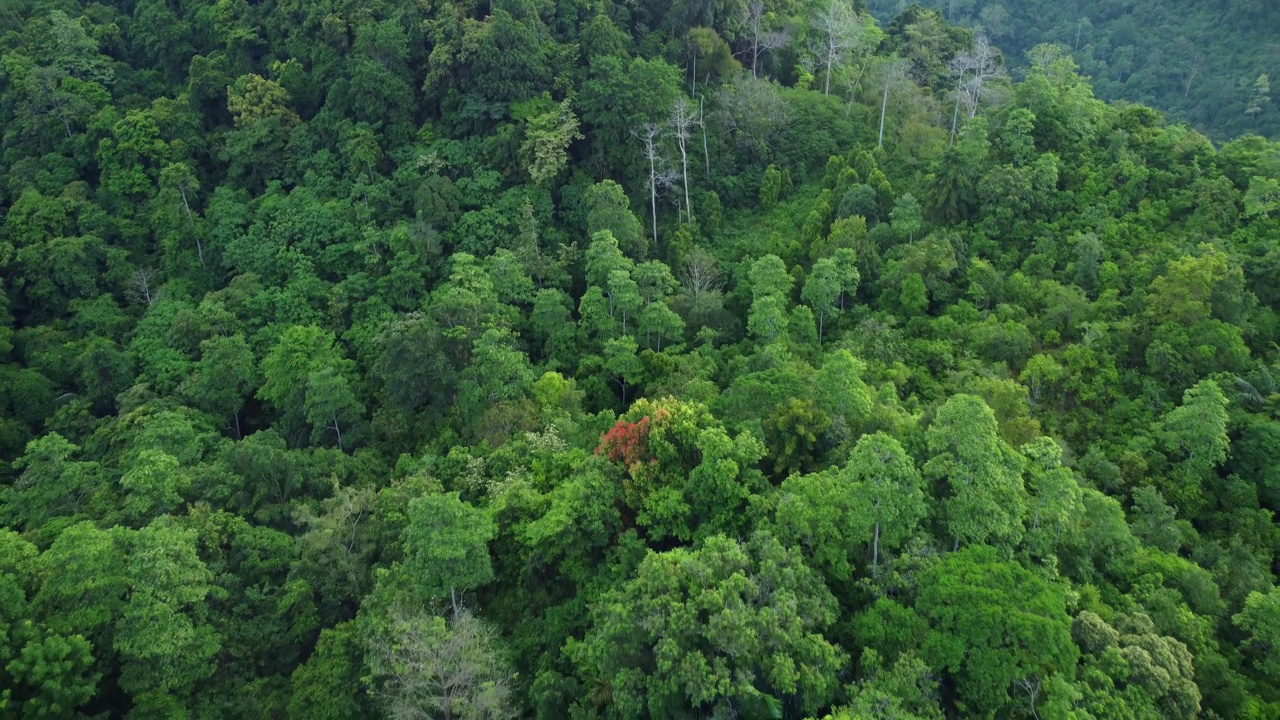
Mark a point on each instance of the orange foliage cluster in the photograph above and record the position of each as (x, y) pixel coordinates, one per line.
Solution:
(626, 442)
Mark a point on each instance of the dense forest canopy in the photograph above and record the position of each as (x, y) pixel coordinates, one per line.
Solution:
(735, 359)
(1209, 63)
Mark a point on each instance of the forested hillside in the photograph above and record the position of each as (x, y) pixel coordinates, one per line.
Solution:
(412, 359)
(1210, 63)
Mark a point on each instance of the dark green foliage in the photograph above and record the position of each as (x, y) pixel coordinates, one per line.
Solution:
(417, 359)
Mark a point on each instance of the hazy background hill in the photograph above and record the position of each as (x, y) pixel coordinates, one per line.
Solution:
(1198, 61)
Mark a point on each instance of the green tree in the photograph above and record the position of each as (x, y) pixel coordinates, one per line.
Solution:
(1195, 434)
(85, 582)
(222, 378)
(886, 489)
(759, 646)
(993, 625)
(838, 389)
(914, 296)
(769, 277)
(816, 513)
(621, 363)
(546, 140)
(986, 499)
(338, 538)
(821, 290)
(608, 209)
(770, 188)
(1055, 498)
(1260, 620)
(253, 98)
(1262, 198)
(907, 216)
(767, 320)
(553, 327)
(166, 647)
(50, 485)
(618, 97)
(905, 690)
(60, 671)
(625, 301)
(411, 363)
(794, 433)
(326, 686)
(155, 482)
(770, 290)
(304, 352)
(603, 256)
(446, 546)
(1260, 97)
(658, 322)
(329, 404)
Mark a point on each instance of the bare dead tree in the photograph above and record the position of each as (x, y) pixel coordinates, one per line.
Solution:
(895, 70)
(982, 60)
(958, 66)
(700, 274)
(985, 63)
(336, 428)
(682, 121)
(142, 286)
(839, 35)
(751, 110)
(1191, 76)
(649, 136)
(763, 39)
(431, 668)
(1031, 686)
(667, 177)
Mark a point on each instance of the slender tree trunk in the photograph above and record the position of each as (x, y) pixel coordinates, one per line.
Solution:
(684, 162)
(239, 435)
(693, 88)
(884, 105)
(338, 430)
(191, 218)
(875, 553)
(702, 120)
(681, 120)
(977, 98)
(955, 114)
(653, 198)
(821, 316)
(186, 205)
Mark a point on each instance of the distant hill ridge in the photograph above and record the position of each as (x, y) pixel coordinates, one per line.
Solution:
(1209, 63)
